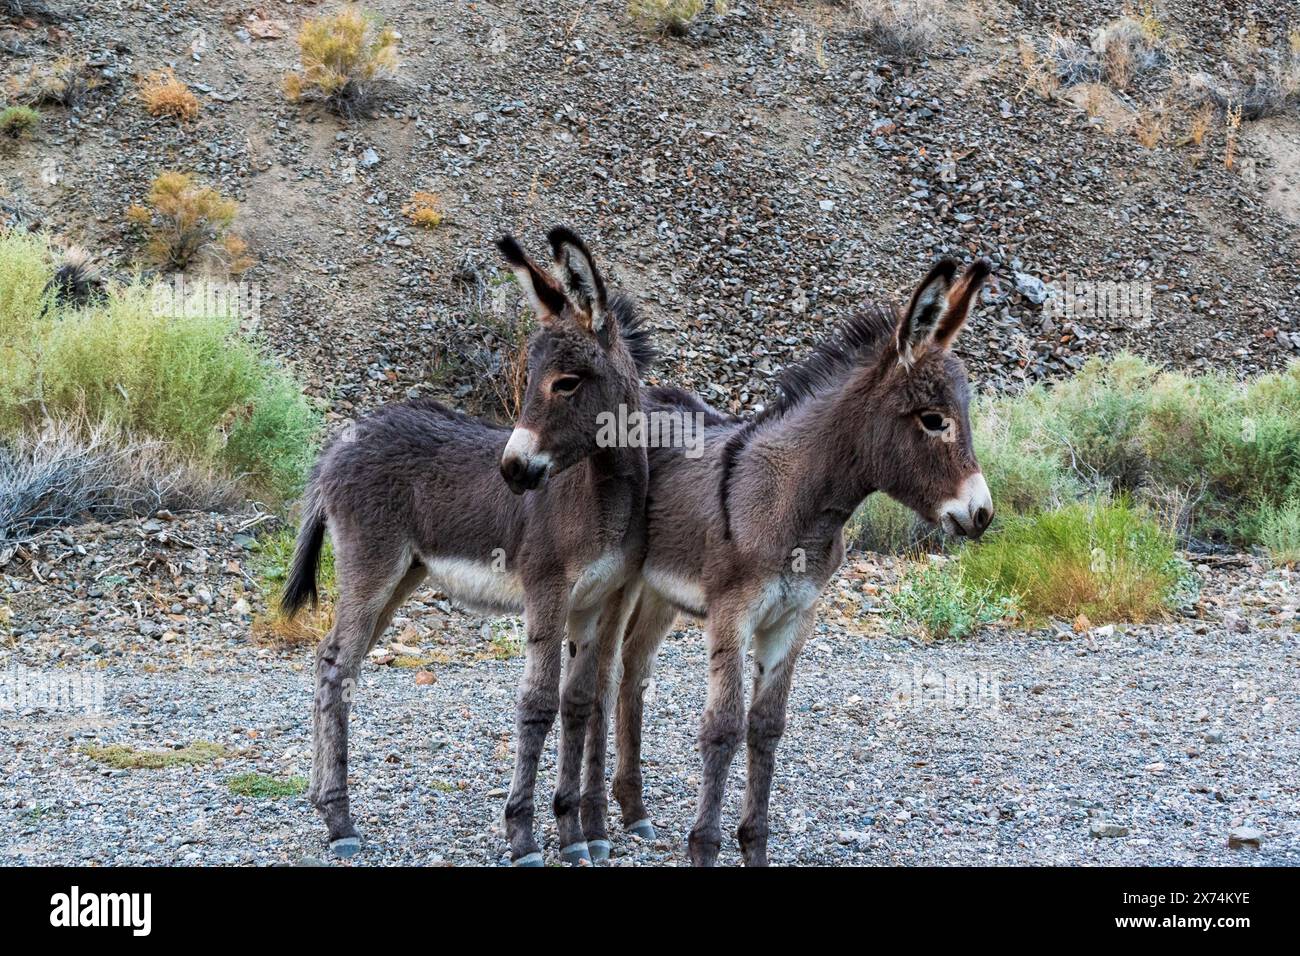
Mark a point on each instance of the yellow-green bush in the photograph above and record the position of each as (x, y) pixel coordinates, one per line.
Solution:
(193, 381)
(344, 57)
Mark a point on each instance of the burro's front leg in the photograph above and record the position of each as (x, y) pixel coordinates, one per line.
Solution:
(577, 702)
(724, 715)
(775, 651)
(537, 704)
(595, 803)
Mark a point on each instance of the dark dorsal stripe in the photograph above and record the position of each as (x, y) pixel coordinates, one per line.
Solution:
(856, 340)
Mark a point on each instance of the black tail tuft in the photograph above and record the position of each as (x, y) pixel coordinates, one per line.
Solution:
(300, 587)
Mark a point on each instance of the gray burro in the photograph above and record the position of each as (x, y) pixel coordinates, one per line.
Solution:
(748, 534)
(415, 491)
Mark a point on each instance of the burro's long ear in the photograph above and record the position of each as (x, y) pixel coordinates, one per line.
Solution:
(543, 294)
(960, 299)
(585, 286)
(926, 308)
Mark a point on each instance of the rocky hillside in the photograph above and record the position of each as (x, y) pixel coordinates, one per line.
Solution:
(751, 182)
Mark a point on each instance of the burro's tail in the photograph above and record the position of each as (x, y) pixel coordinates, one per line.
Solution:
(300, 587)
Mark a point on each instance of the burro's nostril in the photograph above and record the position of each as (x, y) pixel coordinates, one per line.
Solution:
(982, 517)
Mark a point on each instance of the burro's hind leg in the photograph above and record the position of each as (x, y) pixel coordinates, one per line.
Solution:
(720, 730)
(650, 623)
(372, 583)
(537, 704)
(775, 651)
(595, 804)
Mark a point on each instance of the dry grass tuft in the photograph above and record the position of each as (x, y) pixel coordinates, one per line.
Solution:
(183, 222)
(68, 81)
(904, 29)
(424, 210)
(165, 95)
(1232, 127)
(1152, 126)
(67, 473)
(667, 17)
(345, 58)
(305, 629)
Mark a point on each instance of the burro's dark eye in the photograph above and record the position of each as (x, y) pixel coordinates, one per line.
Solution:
(566, 385)
(934, 423)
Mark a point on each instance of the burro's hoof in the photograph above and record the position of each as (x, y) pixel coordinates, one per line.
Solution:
(599, 850)
(576, 854)
(346, 847)
(529, 859)
(643, 829)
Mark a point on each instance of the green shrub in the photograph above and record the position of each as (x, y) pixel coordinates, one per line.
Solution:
(944, 601)
(1101, 415)
(1024, 463)
(191, 380)
(1278, 530)
(1106, 560)
(18, 121)
(882, 524)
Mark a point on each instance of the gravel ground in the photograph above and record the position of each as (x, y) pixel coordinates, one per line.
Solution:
(1005, 749)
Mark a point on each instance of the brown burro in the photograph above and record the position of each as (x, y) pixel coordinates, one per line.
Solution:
(415, 491)
(748, 533)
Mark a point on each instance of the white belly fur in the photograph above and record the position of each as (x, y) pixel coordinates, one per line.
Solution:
(476, 585)
(682, 591)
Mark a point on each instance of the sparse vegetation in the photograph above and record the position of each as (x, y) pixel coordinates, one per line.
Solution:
(491, 369)
(671, 17)
(1210, 454)
(69, 472)
(124, 757)
(1107, 560)
(882, 524)
(904, 29)
(1151, 127)
(345, 58)
(1278, 530)
(424, 209)
(18, 122)
(187, 394)
(271, 565)
(1232, 126)
(261, 787)
(943, 602)
(67, 82)
(166, 96)
(184, 222)
(506, 643)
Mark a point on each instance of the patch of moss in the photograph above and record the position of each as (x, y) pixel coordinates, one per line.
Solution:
(124, 757)
(263, 787)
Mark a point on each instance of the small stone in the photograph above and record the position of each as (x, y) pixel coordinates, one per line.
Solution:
(425, 678)
(241, 608)
(1239, 837)
(1103, 830)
